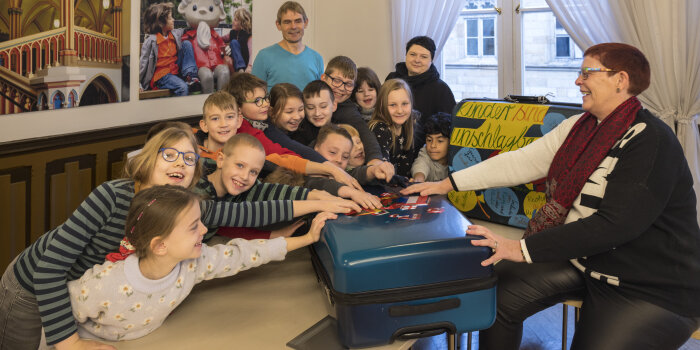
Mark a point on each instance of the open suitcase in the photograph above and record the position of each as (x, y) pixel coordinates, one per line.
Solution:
(407, 271)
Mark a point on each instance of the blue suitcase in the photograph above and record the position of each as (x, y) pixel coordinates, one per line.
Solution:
(407, 271)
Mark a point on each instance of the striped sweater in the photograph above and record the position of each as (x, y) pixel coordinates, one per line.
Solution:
(634, 224)
(94, 229)
(258, 192)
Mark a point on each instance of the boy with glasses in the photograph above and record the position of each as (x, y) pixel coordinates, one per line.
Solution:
(253, 105)
(340, 75)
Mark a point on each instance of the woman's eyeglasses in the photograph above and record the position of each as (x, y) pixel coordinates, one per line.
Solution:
(585, 71)
(171, 155)
(260, 100)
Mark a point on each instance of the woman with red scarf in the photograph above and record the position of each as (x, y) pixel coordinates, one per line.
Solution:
(619, 228)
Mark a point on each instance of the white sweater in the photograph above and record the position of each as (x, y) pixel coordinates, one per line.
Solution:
(114, 301)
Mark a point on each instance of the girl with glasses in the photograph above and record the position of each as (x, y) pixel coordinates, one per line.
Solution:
(33, 290)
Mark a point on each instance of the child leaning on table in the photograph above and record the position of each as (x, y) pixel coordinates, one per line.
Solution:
(131, 298)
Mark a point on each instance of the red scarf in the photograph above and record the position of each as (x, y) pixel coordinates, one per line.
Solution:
(587, 144)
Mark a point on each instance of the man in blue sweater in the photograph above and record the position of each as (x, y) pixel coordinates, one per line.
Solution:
(289, 61)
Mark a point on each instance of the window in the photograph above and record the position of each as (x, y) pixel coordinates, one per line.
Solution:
(523, 50)
(481, 36)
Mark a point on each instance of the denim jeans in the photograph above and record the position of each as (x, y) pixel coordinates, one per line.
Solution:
(186, 61)
(238, 62)
(20, 322)
(174, 83)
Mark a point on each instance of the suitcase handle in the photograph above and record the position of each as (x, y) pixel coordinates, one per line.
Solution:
(412, 310)
(426, 330)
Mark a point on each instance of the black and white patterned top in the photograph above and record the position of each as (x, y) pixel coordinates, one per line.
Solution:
(402, 159)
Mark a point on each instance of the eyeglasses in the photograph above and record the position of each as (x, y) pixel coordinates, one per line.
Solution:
(585, 71)
(337, 82)
(260, 100)
(171, 155)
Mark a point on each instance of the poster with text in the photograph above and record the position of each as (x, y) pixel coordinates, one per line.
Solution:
(482, 129)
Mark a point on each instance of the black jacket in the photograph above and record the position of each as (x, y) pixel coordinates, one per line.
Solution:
(430, 93)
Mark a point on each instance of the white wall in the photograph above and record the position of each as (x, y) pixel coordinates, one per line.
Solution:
(359, 29)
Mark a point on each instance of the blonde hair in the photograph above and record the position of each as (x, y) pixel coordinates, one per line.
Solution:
(152, 213)
(244, 18)
(381, 112)
(279, 95)
(350, 129)
(140, 167)
(239, 140)
(220, 99)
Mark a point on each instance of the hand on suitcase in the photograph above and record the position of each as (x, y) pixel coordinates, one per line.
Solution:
(428, 188)
(503, 248)
(317, 224)
(366, 200)
(336, 206)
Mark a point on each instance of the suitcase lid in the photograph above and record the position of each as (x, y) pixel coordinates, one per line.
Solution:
(413, 241)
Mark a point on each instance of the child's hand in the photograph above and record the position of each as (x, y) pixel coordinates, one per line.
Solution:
(419, 177)
(287, 230)
(366, 200)
(384, 171)
(314, 233)
(321, 195)
(344, 178)
(338, 206)
(317, 224)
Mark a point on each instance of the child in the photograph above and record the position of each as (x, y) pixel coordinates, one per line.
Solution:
(335, 144)
(155, 129)
(357, 154)
(131, 298)
(242, 32)
(163, 53)
(285, 114)
(365, 93)
(431, 163)
(393, 124)
(319, 105)
(253, 103)
(287, 107)
(221, 103)
(34, 284)
(340, 76)
(220, 121)
(238, 165)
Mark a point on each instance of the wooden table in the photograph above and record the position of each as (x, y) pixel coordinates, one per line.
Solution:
(262, 308)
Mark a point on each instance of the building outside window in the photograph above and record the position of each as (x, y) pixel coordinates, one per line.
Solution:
(524, 48)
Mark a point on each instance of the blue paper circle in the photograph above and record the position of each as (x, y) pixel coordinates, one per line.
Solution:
(502, 201)
(465, 158)
(551, 120)
(518, 221)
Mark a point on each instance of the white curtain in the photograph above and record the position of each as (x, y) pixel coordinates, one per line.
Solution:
(668, 33)
(412, 18)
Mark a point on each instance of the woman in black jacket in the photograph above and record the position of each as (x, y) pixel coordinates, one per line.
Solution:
(430, 93)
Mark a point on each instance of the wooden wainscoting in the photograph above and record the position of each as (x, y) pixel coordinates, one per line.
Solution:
(43, 181)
